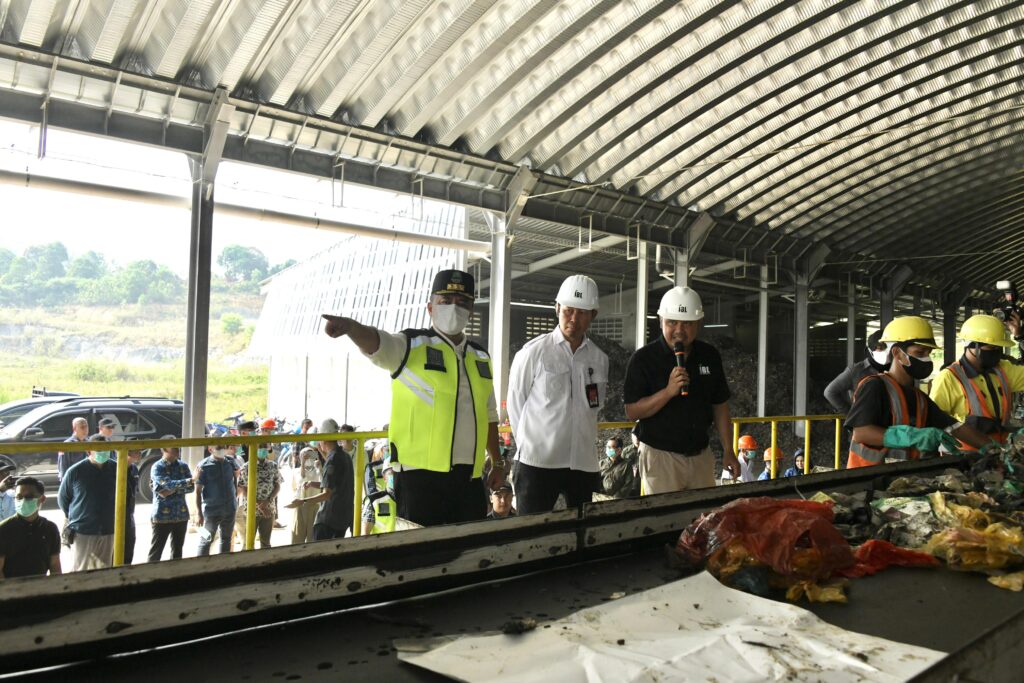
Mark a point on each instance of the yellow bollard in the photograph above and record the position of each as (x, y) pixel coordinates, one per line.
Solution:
(120, 505)
(839, 439)
(775, 441)
(250, 498)
(360, 467)
(735, 438)
(807, 446)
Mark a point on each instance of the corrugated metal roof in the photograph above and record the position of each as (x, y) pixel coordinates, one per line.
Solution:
(860, 124)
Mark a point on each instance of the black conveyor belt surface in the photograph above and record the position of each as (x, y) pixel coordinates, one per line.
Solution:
(939, 609)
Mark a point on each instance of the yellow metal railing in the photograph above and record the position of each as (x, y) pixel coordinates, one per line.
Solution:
(359, 462)
(122, 448)
(774, 422)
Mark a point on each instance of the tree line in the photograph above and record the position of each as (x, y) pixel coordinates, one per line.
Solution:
(46, 275)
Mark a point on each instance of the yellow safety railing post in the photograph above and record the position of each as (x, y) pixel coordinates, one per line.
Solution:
(250, 498)
(120, 505)
(807, 446)
(839, 439)
(736, 438)
(775, 441)
(360, 467)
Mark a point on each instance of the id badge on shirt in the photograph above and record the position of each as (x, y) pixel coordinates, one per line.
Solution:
(592, 395)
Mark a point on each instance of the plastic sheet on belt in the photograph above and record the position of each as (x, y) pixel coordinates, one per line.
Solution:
(693, 629)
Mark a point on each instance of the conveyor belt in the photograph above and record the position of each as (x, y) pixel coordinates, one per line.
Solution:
(545, 566)
(939, 609)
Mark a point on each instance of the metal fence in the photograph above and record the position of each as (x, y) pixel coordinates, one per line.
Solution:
(359, 462)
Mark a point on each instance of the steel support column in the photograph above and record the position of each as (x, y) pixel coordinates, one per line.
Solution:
(762, 344)
(641, 294)
(800, 350)
(851, 325)
(682, 274)
(951, 303)
(890, 289)
(197, 341)
(500, 311)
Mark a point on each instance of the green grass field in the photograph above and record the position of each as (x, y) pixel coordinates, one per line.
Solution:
(37, 356)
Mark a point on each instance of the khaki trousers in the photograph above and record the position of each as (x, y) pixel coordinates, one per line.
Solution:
(302, 524)
(665, 472)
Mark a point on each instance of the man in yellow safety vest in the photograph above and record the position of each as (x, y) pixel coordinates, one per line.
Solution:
(443, 413)
(978, 389)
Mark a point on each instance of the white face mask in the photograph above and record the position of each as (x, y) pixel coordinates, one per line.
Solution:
(449, 319)
(880, 357)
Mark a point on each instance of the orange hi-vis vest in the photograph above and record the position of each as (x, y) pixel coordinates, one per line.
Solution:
(977, 406)
(862, 455)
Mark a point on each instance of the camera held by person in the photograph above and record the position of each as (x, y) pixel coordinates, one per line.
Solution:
(1009, 303)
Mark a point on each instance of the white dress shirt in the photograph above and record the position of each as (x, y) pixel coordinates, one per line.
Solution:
(552, 420)
(389, 356)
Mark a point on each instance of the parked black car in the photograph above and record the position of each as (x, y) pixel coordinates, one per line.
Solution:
(12, 410)
(135, 418)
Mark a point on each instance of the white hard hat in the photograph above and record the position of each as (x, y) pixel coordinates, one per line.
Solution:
(578, 291)
(681, 303)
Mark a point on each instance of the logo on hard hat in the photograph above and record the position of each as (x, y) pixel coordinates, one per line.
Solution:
(578, 295)
(682, 309)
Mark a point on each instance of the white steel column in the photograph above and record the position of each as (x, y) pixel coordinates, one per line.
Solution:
(641, 294)
(197, 319)
(762, 343)
(500, 311)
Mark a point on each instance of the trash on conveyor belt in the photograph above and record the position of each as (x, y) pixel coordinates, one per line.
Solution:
(764, 545)
(971, 520)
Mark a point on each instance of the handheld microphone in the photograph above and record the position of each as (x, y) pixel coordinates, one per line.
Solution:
(680, 352)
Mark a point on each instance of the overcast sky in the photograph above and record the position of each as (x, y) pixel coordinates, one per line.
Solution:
(125, 231)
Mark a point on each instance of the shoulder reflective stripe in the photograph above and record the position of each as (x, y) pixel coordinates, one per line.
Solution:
(424, 339)
(897, 401)
(867, 452)
(417, 391)
(975, 405)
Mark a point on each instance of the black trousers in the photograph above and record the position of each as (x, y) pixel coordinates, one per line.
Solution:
(325, 532)
(129, 540)
(537, 488)
(433, 498)
(161, 532)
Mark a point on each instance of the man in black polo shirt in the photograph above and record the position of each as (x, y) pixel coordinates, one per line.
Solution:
(676, 401)
(29, 544)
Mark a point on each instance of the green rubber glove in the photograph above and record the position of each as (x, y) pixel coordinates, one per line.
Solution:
(925, 439)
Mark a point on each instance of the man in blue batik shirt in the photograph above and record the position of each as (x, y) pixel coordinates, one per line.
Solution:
(216, 480)
(171, 480)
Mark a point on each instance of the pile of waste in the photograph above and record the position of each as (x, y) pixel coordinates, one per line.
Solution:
(969, 519)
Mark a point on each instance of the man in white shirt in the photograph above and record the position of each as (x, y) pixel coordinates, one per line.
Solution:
(443, 413)
(557, 384)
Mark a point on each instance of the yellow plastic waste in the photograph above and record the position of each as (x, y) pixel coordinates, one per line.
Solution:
(955, 515)
(832, 592)
(996, 547)
(1013, 582)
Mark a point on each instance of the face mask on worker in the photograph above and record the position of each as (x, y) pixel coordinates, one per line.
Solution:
(917, 368)
(989, 358)
(610, 452)
(881, 358)
(102, 456)
(26, 507)
(261, 453)
(449, 319)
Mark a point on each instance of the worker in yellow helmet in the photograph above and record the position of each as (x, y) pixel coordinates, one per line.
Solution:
(978, 389)
(890, 416)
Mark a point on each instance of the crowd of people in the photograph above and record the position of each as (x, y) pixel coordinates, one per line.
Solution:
(443, 461)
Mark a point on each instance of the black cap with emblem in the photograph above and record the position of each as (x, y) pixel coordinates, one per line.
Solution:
(454, 282)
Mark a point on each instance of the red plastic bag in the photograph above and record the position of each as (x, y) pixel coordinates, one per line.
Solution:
(795, 538)
(874, 556)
